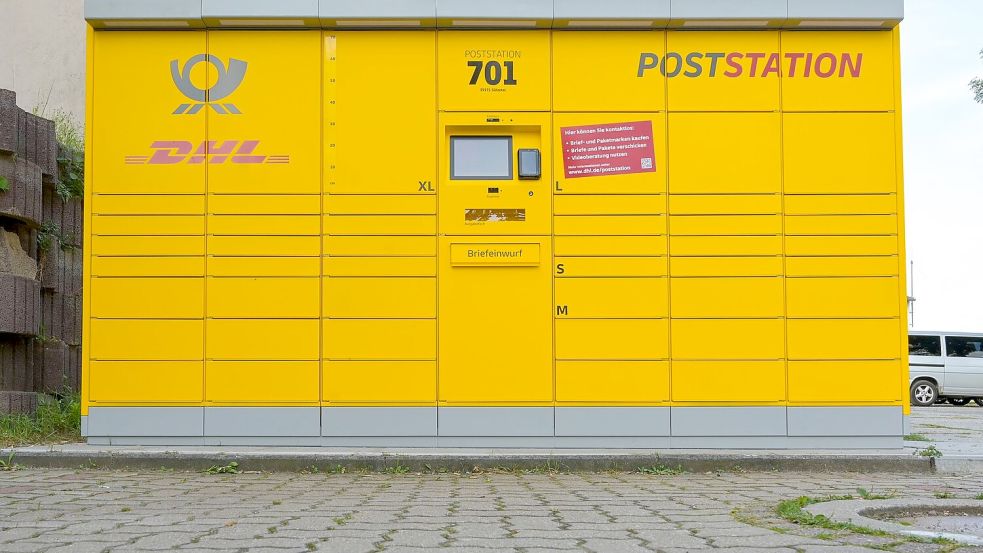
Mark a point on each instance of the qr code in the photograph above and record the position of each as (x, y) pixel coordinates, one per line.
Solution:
(646, 163)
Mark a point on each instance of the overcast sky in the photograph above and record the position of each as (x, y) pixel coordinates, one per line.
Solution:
(943, 136)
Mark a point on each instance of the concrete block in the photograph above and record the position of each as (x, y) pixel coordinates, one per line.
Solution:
(16, 363)
(8, 121)
(22, 201)
(51, 364)
(21, 301)
(24, 403)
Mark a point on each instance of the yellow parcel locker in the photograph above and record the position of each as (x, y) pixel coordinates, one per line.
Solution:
(614, 83)
(151, 157)
(818, 339)
(264, 382)
(380, 383)
(624, 382)
(493, 70)
(380, 298)
(727, 297)
(840, 153)
(725, 153)
(709, 339)
(616, 298)
(145, 382)
(714, 382)
(838, 71)
(275, 139)
(845, 297)
(358, 105)
(821, 382)
(723, 70)
(612, 339)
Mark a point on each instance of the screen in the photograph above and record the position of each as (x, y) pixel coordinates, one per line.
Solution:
(481, 157)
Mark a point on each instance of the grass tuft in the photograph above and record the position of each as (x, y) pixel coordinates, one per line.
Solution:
(57, 420)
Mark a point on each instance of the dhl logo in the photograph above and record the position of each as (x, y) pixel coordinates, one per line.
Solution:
(172, 152)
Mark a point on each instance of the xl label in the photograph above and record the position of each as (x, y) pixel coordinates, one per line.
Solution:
(608, 149)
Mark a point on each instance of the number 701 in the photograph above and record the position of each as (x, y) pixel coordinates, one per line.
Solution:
(493, 72)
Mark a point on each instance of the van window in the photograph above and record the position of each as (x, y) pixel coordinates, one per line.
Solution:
(964, 346)
(925, 345)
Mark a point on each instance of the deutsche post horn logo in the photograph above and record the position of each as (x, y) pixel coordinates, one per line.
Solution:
(227, 81)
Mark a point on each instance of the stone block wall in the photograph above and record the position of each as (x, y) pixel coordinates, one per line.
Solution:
(40, 264)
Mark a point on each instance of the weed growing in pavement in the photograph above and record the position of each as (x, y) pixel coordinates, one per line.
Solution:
(864, 494)
(916, 438)
(943, 495)
(978, 496)
(661, 470)
(125, 510)
(231, 468)
(930, 451)
(396, 469)
(793, 511)
(8, 464)
(57, 420)
(311, 546)
(343, 520)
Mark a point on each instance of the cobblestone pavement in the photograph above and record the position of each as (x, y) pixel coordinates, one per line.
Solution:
(97, 510)
(956, 431)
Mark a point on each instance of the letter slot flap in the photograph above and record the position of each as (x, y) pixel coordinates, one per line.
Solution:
(530, 164)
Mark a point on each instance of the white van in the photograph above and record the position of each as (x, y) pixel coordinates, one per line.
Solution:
(945, 366)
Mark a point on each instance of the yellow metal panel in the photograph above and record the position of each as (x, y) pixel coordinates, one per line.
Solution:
(728, 381)
(380, 339)
(505, 308)
(147, 298)
(264, 204)
(610, 266)
(841, 204)
(123, 225)
(841, 224)
(145, 381)
(728, 338)
(239, 297)
(148, 245)
(648, 182)
(885, 265)
(380, 266)
(493, 70)
(374, 143)
(86, 217)
(381, 298)
(280, 101)
(262, 339)
(285, 225)
(732, 82)
(636, 382)
(149, 340)
(609, 225)
(604, 298)
(400, 246)
(264, 266)
(725, 245)
(841, 245)
(725, 266)
(724, 204)
(264, 246)
(843, 297)
(380, 224)
(824, 81)
(862, 145)
(133, 83)
(697, 225)
(148, 266)
(725, 153)
(727, 297)
(380, 382)
(379, 204)
(262, 382)
(598, 204)
(611, 245)
(521, 206)
(148, 204)
(612, 84)
(823, 382)
(843, 339)
(612, 339)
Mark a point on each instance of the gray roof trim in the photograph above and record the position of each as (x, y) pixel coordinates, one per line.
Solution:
(717, 14)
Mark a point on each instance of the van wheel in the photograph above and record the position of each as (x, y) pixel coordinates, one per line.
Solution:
(959, 401)
(979, 401)
(923, 393)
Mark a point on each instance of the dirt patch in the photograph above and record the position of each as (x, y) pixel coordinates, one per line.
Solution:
(13, 259)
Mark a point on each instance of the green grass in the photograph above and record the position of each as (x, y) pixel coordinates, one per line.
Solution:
(56, 420)
(661, 470)
(916, 438)
(930, 451)
(793, 511)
